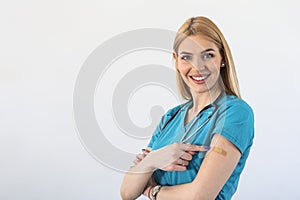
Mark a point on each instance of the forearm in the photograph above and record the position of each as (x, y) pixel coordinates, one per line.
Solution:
(179, 192)
(135, 181)
(173, 157)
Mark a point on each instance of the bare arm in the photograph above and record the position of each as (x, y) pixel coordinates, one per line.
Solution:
(212, 175)
(174, 157)
(138, 176)
(135, 181)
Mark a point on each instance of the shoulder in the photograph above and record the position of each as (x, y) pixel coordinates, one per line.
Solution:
(233, 104)
(170, 114)
(173, 111)
(235, 122)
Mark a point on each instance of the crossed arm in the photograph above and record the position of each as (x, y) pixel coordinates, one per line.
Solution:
(211, 177)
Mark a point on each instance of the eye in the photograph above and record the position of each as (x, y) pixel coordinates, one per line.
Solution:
(207, 56)
(186, 57)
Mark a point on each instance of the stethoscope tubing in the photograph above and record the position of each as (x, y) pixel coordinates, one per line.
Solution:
(184, 138)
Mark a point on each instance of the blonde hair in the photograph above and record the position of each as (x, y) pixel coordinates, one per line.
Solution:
(205, 27)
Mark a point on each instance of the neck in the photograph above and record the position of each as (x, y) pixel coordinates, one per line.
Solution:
(200, 100)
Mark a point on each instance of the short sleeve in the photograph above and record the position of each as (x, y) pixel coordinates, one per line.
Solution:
(164, 120)
(235, 122)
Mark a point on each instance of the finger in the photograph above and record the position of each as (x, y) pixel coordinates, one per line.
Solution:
(182, 162)
(204, 148)
(175, 167)
(186, 156)
(141, 156)
(147, 150)
(136, 161)
(191, 152)
(192, 147)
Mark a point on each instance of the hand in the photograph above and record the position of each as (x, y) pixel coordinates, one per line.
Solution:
(174, 157)
(141, 156)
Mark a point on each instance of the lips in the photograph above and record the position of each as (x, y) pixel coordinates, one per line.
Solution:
(199, 78)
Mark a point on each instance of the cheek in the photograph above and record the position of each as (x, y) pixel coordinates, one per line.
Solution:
(215, 68)
(183, 68)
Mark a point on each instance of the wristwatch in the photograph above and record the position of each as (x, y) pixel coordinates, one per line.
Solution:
(155, 191)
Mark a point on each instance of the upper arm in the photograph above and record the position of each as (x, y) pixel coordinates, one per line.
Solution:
(233, 133)
(216, 168)
(212, 175)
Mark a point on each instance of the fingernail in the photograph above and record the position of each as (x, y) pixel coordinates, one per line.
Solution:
(145, 151)
(207, 147)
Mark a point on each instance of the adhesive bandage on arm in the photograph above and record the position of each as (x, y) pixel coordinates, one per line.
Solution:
(219, 151)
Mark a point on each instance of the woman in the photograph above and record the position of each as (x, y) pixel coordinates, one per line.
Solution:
(199, 149)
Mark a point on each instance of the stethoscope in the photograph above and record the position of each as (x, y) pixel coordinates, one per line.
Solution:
(186, 135)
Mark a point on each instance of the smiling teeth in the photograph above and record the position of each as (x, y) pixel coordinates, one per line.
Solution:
(199, 78)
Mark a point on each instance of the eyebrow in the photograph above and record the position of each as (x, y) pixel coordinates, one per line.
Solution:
(206, 50)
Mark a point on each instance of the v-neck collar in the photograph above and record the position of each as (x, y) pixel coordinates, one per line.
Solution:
(188, 105)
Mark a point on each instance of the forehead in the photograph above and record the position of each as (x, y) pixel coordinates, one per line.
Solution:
(196, 43)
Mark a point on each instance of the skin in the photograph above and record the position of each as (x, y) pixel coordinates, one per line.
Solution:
(169, 158)
(197, 57)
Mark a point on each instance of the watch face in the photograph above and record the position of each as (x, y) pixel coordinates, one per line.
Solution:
(154, 192)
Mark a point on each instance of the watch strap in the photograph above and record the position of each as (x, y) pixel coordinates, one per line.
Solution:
(155, 191)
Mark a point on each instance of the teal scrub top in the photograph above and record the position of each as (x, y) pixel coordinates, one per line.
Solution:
(228, 116)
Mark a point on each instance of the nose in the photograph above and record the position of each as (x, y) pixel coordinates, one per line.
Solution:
(199, 64)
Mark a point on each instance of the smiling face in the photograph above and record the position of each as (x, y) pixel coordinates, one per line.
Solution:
(198, 61)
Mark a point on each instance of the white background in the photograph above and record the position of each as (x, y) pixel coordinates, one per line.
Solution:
(44, 43)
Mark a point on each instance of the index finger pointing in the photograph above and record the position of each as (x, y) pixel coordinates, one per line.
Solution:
(192, 147)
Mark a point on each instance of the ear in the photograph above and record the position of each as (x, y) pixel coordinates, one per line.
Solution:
(175, 57)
